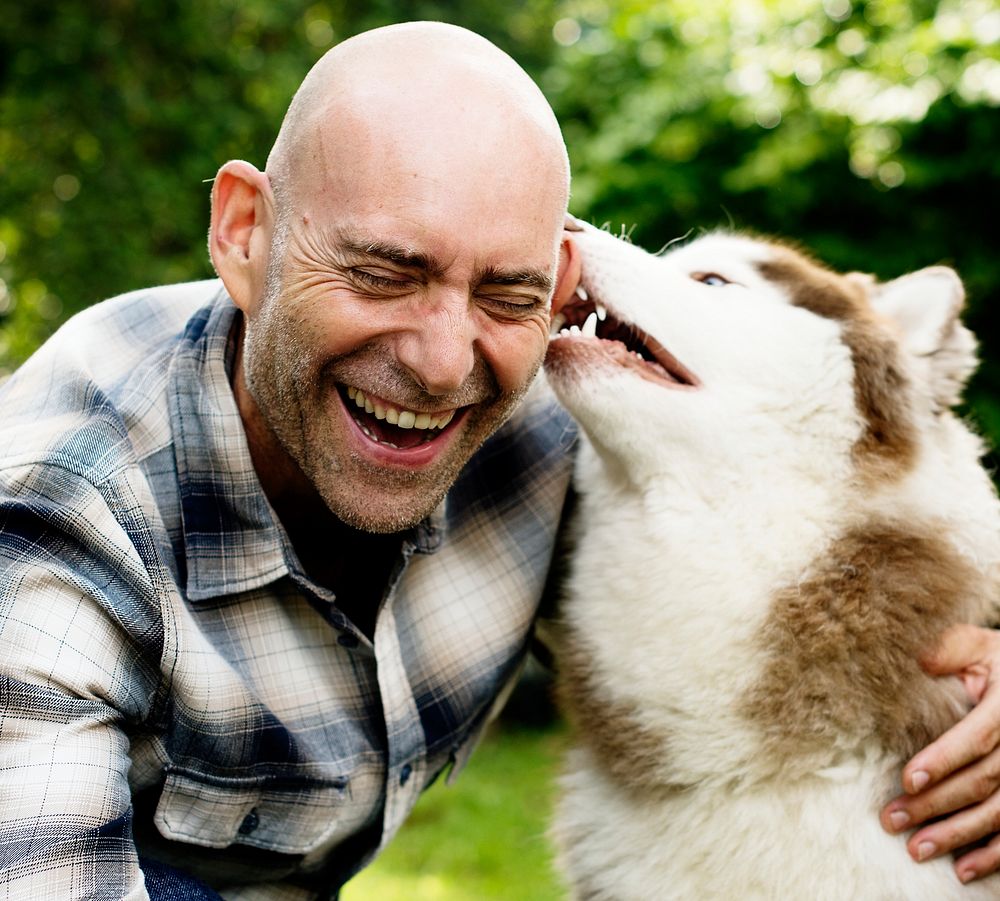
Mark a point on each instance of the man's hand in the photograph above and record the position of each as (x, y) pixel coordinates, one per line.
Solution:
(959, 774)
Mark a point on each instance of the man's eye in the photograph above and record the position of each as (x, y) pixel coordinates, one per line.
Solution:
(712, 279)
(379, 281)
(511, 306)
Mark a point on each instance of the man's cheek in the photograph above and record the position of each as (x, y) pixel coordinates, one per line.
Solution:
(514, 351)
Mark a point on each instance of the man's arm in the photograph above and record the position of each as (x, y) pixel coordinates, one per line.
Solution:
(959, 774)
(65, 814)
(71, 677)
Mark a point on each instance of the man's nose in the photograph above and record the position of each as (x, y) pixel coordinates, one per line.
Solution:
(439, 348)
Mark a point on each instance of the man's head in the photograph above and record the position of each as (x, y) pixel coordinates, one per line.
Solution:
(402, 248)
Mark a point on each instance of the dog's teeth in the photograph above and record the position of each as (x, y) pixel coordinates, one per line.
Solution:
(589, 329)
(558, 321)
(602, 312)
(574, 330)
(581, 292)
(564, 333)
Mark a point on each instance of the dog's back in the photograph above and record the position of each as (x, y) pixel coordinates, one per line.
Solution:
(777, 512)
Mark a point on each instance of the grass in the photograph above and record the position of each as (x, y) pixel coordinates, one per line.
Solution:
(482, 838)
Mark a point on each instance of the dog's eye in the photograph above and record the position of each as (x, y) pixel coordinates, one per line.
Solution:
(712, 279)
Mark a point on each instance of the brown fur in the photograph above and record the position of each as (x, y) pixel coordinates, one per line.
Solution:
(888, 446)
(612, 730)
(843, 644)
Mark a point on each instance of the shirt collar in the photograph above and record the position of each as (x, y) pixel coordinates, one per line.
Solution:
(232, 539)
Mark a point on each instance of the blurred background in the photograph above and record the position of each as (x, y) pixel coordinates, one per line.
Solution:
(867, 131)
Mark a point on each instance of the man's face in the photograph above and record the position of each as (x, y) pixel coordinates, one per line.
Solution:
(421, 287)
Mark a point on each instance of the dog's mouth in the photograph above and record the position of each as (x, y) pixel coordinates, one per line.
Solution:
(583, 319)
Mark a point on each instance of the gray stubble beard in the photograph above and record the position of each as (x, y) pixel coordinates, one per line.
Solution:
(274, 379)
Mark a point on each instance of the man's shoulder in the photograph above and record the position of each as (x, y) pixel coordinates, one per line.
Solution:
(82, 394)
(136, 322)
(105, 340)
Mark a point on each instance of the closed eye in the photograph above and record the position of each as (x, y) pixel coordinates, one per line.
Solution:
(375, 280)
(512, 306)
(712, 279)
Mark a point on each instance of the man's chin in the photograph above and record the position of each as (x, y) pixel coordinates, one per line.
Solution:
(393, 498)
(383, 515)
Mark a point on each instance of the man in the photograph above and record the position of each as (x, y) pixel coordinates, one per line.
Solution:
(259, 584)
(263, 570)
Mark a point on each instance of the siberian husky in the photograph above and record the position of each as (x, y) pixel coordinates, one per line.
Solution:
(777, 511)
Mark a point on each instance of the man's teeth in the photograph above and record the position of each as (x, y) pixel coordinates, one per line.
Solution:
(404, 419)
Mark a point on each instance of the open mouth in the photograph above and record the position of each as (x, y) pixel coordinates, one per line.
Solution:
(393, 426)
(583, 318)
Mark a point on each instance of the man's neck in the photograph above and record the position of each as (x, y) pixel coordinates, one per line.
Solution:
(354, 565)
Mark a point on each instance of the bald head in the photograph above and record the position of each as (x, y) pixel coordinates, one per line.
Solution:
(413, 94)
(403, 246)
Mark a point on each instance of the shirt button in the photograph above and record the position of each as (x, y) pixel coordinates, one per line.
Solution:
(405, 773)
(347, 640)
(250, 822)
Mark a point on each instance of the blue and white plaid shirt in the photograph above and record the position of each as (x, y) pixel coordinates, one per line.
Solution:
(172, 679)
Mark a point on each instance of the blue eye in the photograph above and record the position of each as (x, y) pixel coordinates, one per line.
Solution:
(712, 279)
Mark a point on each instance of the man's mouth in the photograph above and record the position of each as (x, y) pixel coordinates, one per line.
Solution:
(621, 341)
(388, 424)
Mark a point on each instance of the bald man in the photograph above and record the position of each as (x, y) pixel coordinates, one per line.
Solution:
(271, 546)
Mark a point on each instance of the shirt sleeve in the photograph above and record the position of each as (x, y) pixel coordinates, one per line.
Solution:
(73, 680)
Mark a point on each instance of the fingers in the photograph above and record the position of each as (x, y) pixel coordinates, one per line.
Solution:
(980, 862)
(970, 786)
(961, 770)
(958, 646)
(973, 653)
(969, 652)
(970, 739)
(970, 825)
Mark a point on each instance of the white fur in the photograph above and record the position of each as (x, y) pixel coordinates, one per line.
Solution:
(696, 507)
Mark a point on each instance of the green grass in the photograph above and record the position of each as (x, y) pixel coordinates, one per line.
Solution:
(482, 838)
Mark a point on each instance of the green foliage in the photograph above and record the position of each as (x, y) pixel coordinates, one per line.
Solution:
(865, 130)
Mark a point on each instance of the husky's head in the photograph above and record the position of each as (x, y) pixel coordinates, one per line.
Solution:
(732, 355)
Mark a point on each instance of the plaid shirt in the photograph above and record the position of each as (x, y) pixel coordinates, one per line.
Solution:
(171, 678)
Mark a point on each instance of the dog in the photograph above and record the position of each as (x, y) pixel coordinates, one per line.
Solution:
(777, 512)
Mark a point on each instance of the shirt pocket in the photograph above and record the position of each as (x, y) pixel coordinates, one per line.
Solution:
(288, 813)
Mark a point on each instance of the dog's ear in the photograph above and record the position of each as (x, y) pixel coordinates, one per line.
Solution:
(925, 306)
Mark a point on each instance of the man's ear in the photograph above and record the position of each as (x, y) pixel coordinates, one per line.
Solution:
(239, 240)
(568, 275)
